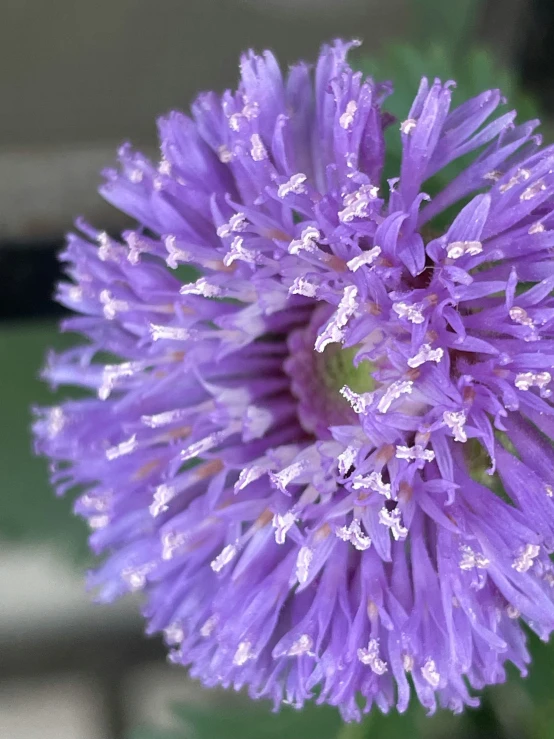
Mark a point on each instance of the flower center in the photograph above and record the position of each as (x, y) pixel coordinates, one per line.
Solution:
(317, 379)
(335, 368)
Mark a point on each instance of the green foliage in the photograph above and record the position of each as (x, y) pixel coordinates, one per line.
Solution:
(518, 709)
(477, 71)
(454, 23)
(254, 720)
(145, 733)
(29, 509)
(224, 714)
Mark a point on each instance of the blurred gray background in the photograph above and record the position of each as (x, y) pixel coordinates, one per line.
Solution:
(77, 78)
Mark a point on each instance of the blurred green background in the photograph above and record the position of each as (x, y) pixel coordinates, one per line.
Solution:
(437, 39)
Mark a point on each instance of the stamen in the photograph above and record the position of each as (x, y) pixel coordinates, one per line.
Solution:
(370, 656)
(56, 420)
(75, 293)
(520, 176)
(125, 447)
(429, 672)
(527, 380)
(360, 402)
(256, 422)
(251, 109)
(208, 627)
(357, 203)
(98, 522)
(407, 126)
(113, 372)
(392, 519)
(224, 557)
(415, 452)
(303, 562)
(236, 223)
(455, 420)
(97, 501)
(394, 391)
(224, 154)
(250, 474)
(282, 524)
(346, 459)
(174, 634)
(136, 175)
(109, 250)
(201, 287)
(137, 246)
(301, 286)
(162, 496)
(257, 150)
(199, 447)
(135, 577)
(354, 534)
(520, 315)
(237, 251)
(176, 255)
(407, 662)
(374, 482)
(301, 646)
(165, 418)
(112, 306)
(295, 185)
(457, 249)
(171, 541)
(426, 354)
(524, 560)
(164, 167)
(307, 241)
(413, 312)
(472, 560)
(366, 258)
(533, 190)
(173, 333)
(347, 118)
(243, 654)
(287, 475)
(235, 121)
(333, 331)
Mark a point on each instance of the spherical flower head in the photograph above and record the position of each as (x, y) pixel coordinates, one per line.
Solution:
(328, 460)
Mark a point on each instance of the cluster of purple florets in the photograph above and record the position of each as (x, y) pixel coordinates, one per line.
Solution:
(327, 461)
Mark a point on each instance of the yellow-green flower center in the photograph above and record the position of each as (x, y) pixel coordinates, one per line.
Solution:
(335, 368)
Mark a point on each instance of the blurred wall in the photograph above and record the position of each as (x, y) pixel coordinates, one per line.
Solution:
(77, 78)
(75, 71)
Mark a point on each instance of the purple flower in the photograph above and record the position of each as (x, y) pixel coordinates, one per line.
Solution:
(328, 461)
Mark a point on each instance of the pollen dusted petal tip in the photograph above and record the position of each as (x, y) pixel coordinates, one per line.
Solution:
(291, 452)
